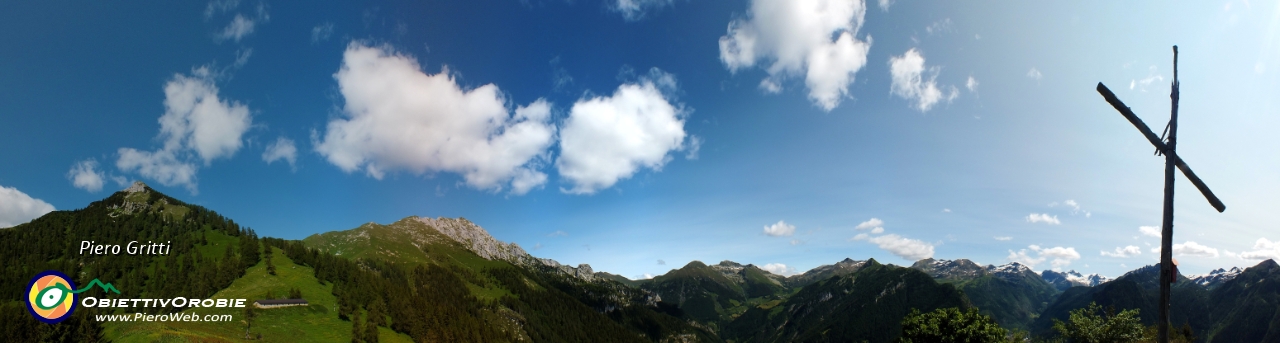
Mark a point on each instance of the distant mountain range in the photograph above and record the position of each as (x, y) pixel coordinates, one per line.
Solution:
(448, 279)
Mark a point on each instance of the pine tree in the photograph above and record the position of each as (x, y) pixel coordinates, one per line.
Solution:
(249, 315)
(357, 330)
(371, 331)
(271, 267)
(377, 313)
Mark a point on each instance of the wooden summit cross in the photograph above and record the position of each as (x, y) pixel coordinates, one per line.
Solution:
(1171, 159)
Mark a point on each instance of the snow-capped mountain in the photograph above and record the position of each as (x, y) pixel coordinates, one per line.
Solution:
(959, 269)
(1215, 277)
(1064, 280)
(1010, 271)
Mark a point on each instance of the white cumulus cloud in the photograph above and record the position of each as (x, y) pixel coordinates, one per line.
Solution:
(780, 228)
(870, 223)
(85, 175)
(196, 124)
(609, 138)
(906, 248)
(971, 84)
(1150, 231)
(17, 207)
(282, 149)
(915, 82)
(1058, 257)
(815, 39)
(396, 117)
(1263, 249)
(779, 269)
(1043, 218)
(1127, 251)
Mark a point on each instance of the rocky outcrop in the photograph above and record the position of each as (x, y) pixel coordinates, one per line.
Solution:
(476, 239)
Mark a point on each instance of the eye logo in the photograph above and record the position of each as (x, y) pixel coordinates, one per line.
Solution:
(50, 297)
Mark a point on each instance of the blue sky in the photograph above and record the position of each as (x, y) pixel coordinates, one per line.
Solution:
(638, 135)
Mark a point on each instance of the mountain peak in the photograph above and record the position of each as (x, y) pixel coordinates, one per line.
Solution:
(694, 264)
(475, 238)
(728, 263)
(959, 269)
(136, 187)
(1215, 277)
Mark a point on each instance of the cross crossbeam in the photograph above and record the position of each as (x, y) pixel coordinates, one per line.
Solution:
(1164, 149)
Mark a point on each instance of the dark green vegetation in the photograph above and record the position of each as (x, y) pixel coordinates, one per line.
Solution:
(1093, 324)
(426, 280)
(866, 305)
(950, 325)
(714, 295)
(1012, 294)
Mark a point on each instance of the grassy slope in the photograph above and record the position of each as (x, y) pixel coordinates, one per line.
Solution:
(395, 242)
(315, 323)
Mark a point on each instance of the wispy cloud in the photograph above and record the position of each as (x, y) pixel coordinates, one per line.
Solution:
(282, 149)
(1194, 249)
(239, 27)
(1127, 251)
(915, 82)
(321, 32)
(633, 10)
(1058, 257)
(1003, 238)
(906, 248)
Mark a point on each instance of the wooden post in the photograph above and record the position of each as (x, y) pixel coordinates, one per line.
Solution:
(1166, 235)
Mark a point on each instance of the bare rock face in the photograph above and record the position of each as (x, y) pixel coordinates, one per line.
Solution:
(475, 238)
(135, 200)
(137, 186)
